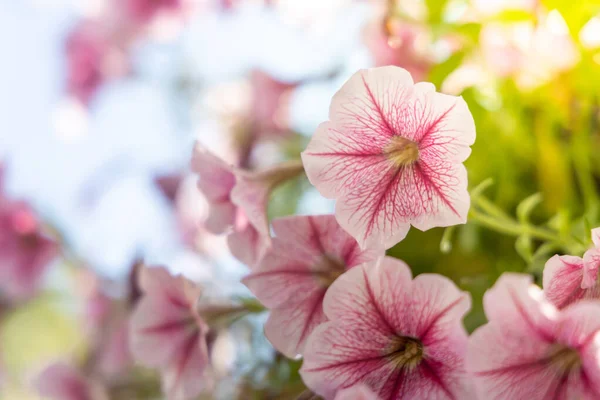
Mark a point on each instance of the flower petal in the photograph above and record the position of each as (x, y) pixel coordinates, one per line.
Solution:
(520, 305)
(251, 194)
(247, 245)
(216, 182)
(158, 329)
(358, 392)
(63, 382)
(563, 276)
(184, 377)
(591, 263)
(289, 326)
(596, 237)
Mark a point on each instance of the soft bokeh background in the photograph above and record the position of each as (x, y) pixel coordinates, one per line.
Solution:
(97, 130)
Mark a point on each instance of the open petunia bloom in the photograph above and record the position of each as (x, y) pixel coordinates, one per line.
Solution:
(307, 255)
(167, 332)
(568, 279)
(391, 155)
(62, 381)
(358, 392)
(530, 350)
(402, 337)
(25, 252)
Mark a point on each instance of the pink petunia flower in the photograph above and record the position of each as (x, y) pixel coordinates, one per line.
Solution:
(64, 382)
(238, 200)
(25, 252)
(530, 350)
(391, 155)
(568, 279)
(306, 257)
(400, 336)
(358, 392)
(167, 332)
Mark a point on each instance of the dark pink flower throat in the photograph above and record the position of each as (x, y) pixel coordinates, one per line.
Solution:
(402, 151)
(405, 352)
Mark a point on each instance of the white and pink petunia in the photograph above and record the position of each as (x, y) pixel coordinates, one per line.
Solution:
(25, 251)
(307, 255)
(62, 381)
(530, 350)
(167, 332)
(568, 279)
(402, 337)
(391, 154)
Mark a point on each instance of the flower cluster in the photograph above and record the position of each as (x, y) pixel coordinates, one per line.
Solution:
(391, 156)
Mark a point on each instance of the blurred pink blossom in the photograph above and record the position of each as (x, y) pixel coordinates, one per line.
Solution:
(114, 354)
(168, 333)
(402, 337)
(142, 11)
(92, 58)
(25, 251)
(530, 350)
(397, 43)
(306, 257)
(531, 54)
(268, 110)
(568, 279)
(391, 155)
(61, 381)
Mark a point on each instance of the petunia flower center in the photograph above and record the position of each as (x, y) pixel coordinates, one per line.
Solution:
(402, 151)
(328, 269)
(564, 358)
(405, 352)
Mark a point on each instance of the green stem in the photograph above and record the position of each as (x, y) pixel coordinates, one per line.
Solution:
(511, 228)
